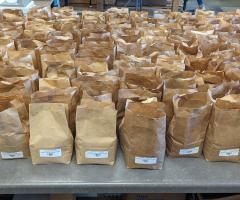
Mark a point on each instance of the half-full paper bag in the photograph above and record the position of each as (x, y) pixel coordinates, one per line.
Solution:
(188, 127)
(96, 140)
(222, 139)
(51, 140)
(14, 128)
(142, 135)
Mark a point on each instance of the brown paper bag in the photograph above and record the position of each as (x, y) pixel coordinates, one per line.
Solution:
(223, 121)
(33, 45)
(40, 35)
(52, 83)
(40, 13)
(14, 131)
(11, 15)
(170, 63)
(99, 50)
(136, 16)
(137, 81)
(91, 64)
(69, 24)
(69, 96)
(51, 140)
(59, 46)
(95, 35)
(177, 83)
(93, 17)
(57, 65)
(17, 86)
(133, 61)
(212, 77)
(232, 71)
(98, 85)
(195, 63)
(188, 127)
(146, 71)
(142, 135)
(11, 29)
(13, 75)
(126, 48)
(6, 42)
(38, 29)
(28, 44)
(137, 95)
(163, 48)
(63, 12)
(208, 44)
(128, 35)
(23, 58)
(96, 140)
(191, 48)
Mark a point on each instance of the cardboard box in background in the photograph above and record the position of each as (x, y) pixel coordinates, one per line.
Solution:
(164, 196)
(218, 197)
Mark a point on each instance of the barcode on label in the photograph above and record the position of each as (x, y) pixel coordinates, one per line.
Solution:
(96, 154)
(145, 160)
(12, 155)
(50, 153)
(229, 152)
(189, 151)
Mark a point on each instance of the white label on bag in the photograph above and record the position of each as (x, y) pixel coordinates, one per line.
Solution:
(50, 153)
(96, 154)
(145, 160)
(229, 152)
(189, 151)
(12, 155)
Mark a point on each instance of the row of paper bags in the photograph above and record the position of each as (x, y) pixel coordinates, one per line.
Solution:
(142, 131)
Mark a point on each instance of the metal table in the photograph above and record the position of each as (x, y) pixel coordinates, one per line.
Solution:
(178, 175)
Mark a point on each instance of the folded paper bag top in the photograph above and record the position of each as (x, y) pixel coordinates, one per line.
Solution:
(51, 140)
(96, 140)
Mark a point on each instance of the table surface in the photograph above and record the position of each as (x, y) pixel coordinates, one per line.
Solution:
(177, 175)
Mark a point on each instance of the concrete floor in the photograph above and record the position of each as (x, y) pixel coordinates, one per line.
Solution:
(224, 5)
(217, 5)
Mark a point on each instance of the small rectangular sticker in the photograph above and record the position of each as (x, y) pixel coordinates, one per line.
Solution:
(50, 153)
(190, 151)
(229, 152)
(145, 160)
(12, 155)
(96, 154)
